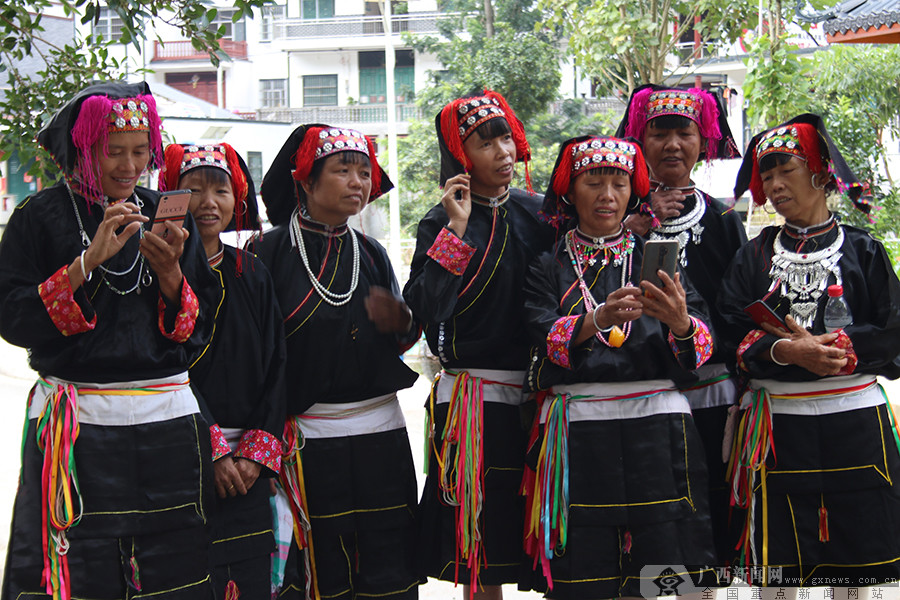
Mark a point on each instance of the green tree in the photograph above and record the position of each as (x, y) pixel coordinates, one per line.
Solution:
(627, 43)
(66, 66)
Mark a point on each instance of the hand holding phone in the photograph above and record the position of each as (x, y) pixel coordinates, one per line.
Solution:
(659, 255)
(172, 208)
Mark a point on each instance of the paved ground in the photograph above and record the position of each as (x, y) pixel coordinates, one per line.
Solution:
(16, 379)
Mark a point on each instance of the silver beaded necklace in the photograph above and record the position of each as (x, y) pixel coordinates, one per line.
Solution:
(684, 229)
(332, 298)
(143, 277)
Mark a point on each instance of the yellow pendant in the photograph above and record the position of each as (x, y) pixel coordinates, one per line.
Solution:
(616, 337)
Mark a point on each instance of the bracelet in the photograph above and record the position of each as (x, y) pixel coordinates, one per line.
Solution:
(772, 352)
(87, 276)
(689, 336)
(594, 319)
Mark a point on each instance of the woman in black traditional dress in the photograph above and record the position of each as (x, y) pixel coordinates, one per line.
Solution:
(240, 374)
(472, 252)
(116, 470)
(349, 472)
(815, 456)
(616, 479)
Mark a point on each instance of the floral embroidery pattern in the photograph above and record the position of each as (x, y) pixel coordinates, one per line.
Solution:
(187, 316)
(558, 340)
(749, 339)
(220, 445)
(262, 447)
(59, 299)
(845, 343)
(451, 252)
(703, 342)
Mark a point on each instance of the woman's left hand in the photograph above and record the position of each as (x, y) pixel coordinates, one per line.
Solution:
(389, 314)
(668, 304)
(163, 256)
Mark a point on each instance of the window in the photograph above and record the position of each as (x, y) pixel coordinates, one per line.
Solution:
(272, 93)
(233, 31)
(108, 24)
(373, 81)
(255, 166)
(270, 16)
(316, 9)
(320, 90)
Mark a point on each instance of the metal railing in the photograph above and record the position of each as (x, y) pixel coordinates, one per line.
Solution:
(338, 114)
(183, 50)
(355, 26)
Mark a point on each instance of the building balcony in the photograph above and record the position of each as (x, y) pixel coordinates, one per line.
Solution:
(183, 50)
(356, 26)
(371, 119)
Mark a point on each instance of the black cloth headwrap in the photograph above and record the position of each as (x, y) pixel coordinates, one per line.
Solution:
(726, 148)
(251, 216)
(562, 215)
(281, 192)
(56, 136)
(844, 178)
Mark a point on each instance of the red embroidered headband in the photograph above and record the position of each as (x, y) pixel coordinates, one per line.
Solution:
(181, 159)
(322, 142)
(598, 152)
(797, 139)
(695, 104)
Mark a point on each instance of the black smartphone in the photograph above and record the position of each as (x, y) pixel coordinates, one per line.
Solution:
(659, 255)
(760, 312)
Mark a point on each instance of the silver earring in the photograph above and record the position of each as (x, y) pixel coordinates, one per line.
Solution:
(813, 182)
(565, 200)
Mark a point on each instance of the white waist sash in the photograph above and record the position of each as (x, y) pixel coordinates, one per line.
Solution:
(374, 415)
(503, 387)
(169, 398)
(608, 401)
(824, 396)
(720, 393)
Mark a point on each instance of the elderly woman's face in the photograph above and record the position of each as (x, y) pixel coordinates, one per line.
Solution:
(790, 189)
(124, 161)
(601, 200)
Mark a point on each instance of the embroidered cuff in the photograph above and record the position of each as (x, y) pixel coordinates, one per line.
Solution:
(751, 338)
(187, 316)
(558, 340)
(262, 447)
(59, 300)
(845, 343)
(451, 252)
(703, 343)
(220, 445)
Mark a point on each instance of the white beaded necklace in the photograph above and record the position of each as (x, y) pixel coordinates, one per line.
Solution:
(332, 298)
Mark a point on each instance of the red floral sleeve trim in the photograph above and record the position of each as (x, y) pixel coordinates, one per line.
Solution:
(451, 252)
(220, 445)
(703, 342)
(845, 343)
(187, 316)
(59, 300)
(558, 340)
(262, 447)
(749, 339)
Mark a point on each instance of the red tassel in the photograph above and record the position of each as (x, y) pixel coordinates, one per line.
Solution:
(563, 177)
(450, 130)
(171, 170)
(811, 145)
(641, 178)
(238, 178)
(823, 524)
(756, 186)
(231, 590)
(523, 151)
(306, 154)
(376, 171)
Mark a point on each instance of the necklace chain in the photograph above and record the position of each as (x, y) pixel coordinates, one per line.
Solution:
(143, 277)
(332, 298)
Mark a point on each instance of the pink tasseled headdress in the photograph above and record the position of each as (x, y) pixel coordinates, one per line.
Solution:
(695, 104)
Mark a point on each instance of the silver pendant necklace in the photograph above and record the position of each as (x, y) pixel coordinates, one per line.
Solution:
(332, 298)
(143, 277)
(803, 276)
(685, 228)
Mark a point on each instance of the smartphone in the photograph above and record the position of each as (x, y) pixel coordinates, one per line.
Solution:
(173, 207)
(659, 254)
(760, 312)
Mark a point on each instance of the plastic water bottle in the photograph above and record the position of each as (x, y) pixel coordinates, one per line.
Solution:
(837, 313)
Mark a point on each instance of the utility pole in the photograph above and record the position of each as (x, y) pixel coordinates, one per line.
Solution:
(393, 168)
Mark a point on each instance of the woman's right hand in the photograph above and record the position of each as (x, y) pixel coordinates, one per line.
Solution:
(228, 478)
(621, 306)
(458, 210)
(812, 352)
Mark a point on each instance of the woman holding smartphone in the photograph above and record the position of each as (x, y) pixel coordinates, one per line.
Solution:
(116, 470)
(615, 477)
(815, 459)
